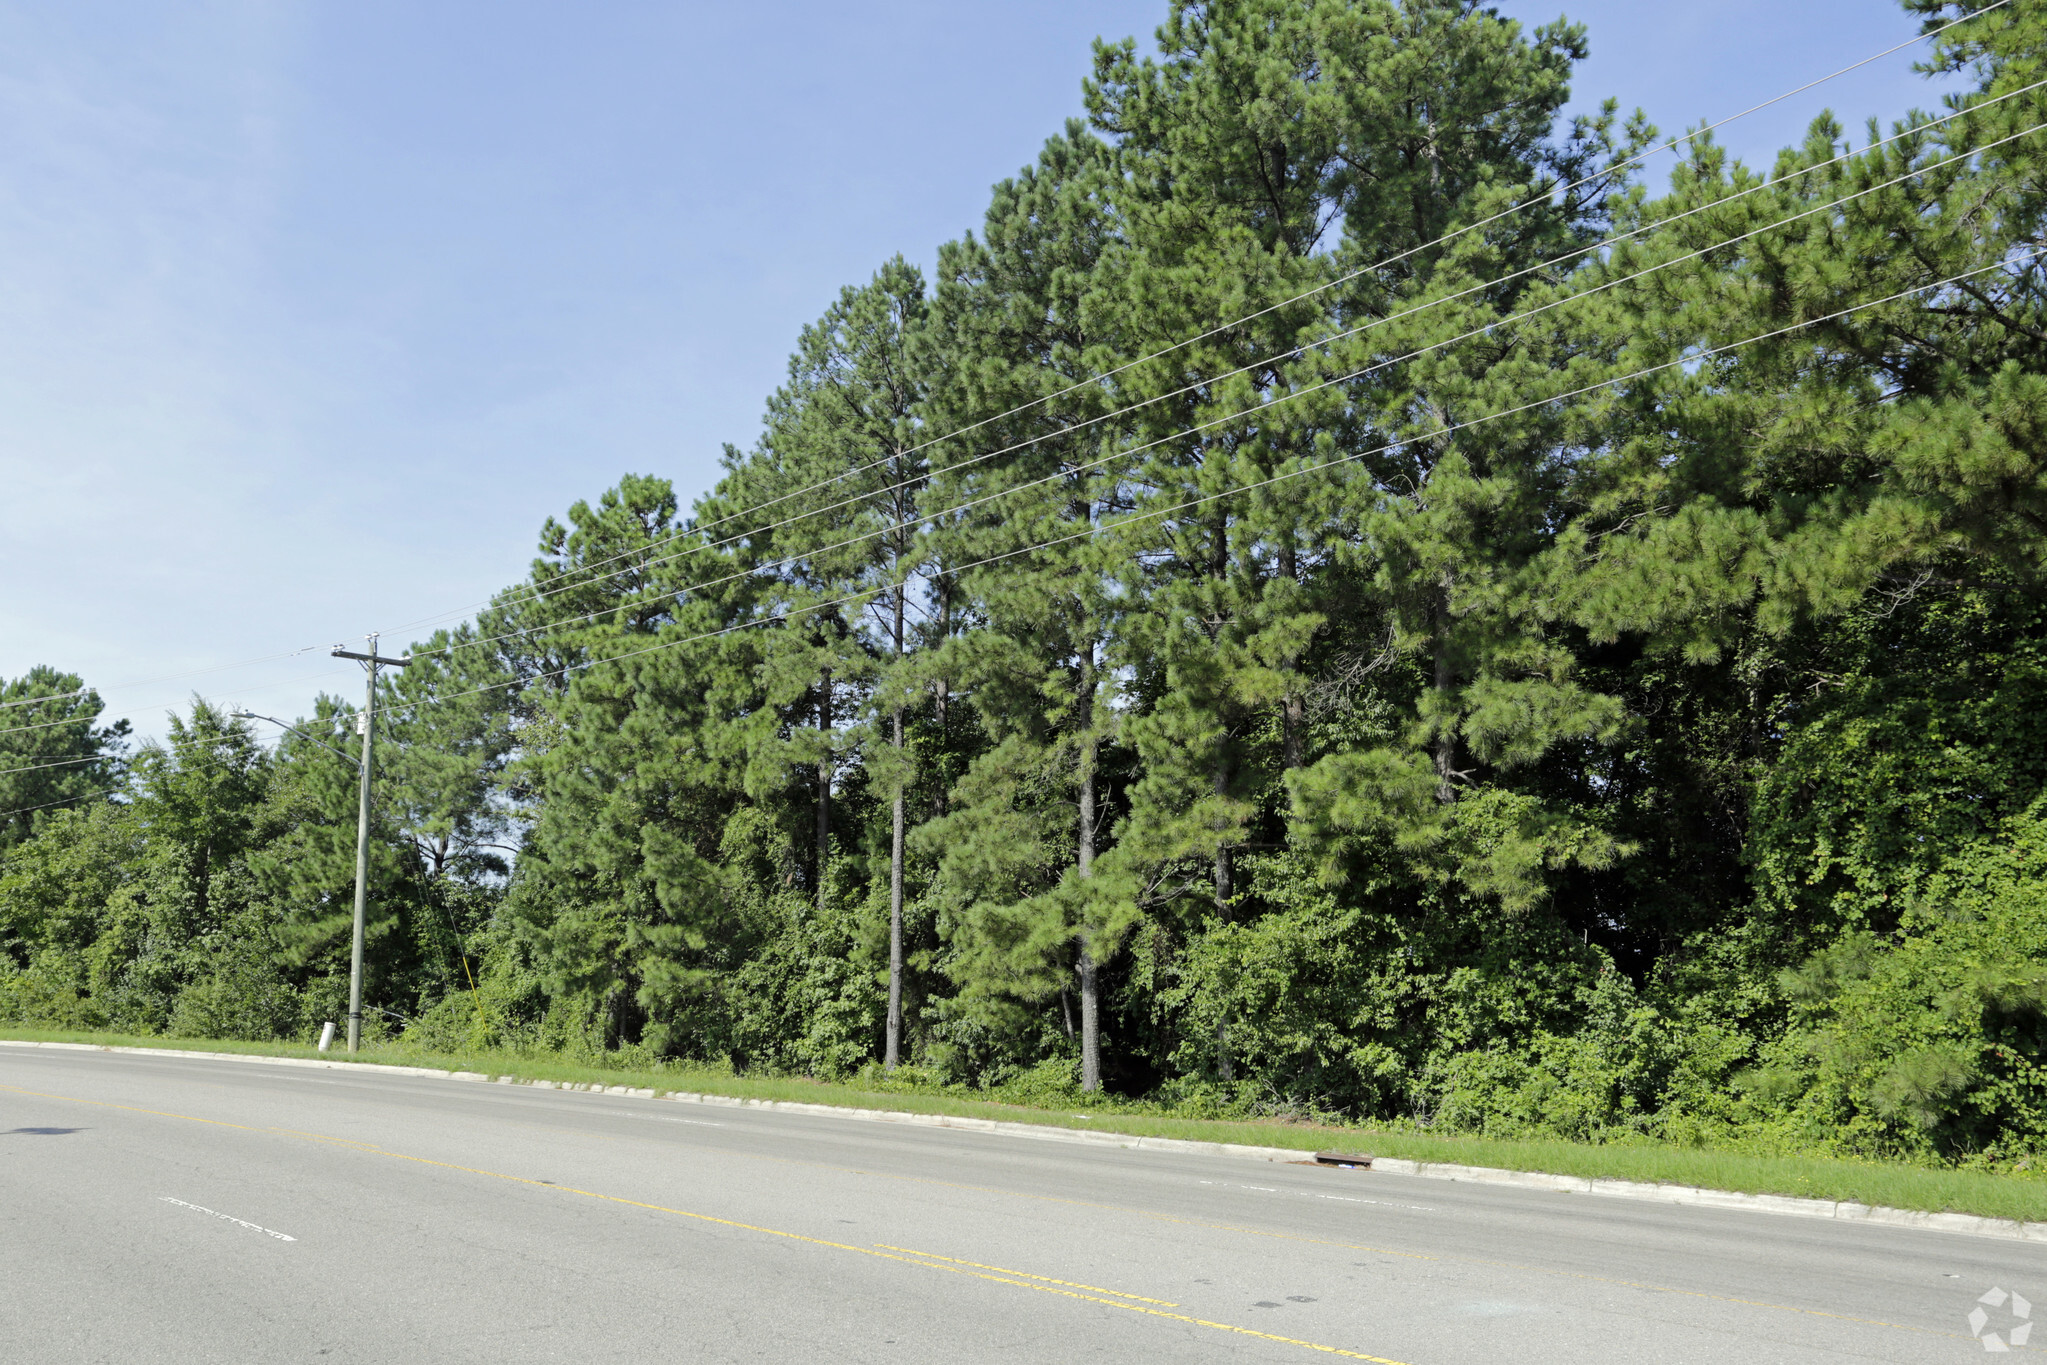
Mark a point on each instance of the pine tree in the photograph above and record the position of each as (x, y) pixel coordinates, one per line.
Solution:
(1783, 481)
(56, 751)
(1019, 338)
(1275, 154)
(841, 460)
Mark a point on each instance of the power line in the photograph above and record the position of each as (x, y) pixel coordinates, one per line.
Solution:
(1124, 454)
(57, 763)
(161, 677)
(1689, 359)
(1559, 302)
(1547, 196)
(244, 691)
(61, 801)
(52, 724)
(104, 758)
(187, 765)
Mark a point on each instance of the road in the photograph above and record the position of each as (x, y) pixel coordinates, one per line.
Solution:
(160, 1209)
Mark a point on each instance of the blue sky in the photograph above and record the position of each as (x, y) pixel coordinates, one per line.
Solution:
(314, 312)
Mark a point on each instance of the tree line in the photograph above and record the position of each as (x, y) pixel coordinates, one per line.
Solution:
(1337, 599)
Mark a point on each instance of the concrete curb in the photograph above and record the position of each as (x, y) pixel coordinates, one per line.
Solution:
(1968, 1224)
(972, 1125)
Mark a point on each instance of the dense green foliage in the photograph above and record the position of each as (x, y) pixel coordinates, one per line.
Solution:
(1337, 600)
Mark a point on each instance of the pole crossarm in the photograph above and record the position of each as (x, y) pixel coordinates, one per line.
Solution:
(373, 658)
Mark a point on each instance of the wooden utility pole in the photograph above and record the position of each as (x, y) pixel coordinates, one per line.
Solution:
(366, 726)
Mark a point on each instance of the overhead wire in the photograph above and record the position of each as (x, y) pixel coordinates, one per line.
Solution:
(53, 724)
(242, 691)
(57, 763)
(238, 692)
(1547, 196)
(161, 677)
(1690, 358)
(61, 801)
(1125, 453)
(199, 765)
(74, 762)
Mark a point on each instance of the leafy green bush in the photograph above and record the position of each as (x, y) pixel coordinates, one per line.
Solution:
(1921, 1042)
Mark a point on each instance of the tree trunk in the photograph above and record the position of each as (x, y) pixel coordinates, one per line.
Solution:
(1225, 867)
(1292, 708)
(942, 697)
(1445, 747)
(1090, 1019)
(1218, 566)
(1084, 859)
(893, 1051)
(824, 785)
(895, 921)
(1090, 989)
(202, 885)
(1225, 892)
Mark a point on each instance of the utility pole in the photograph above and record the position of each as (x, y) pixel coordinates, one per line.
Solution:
(366, 726)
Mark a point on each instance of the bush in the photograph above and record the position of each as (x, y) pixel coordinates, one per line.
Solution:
(1920, 1042)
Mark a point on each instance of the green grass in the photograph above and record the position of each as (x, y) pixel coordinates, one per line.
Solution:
(1867, 1182)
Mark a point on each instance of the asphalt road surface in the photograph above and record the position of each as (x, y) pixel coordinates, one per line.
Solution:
(160, 1209)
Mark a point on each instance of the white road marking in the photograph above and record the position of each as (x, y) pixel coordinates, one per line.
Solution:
(1345, 1198)
(663, 1118)
(230, 1218)
(1383, 1203)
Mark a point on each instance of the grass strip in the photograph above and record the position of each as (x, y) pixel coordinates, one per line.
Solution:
(1885, 1184)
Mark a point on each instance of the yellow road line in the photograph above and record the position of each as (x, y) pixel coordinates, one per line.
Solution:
(1153, 1312)
(1050, 1287)
(1087, 1204)
(1070, 1284)
(1051, 1199)
(1354, 1246)
(1144, 1213)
